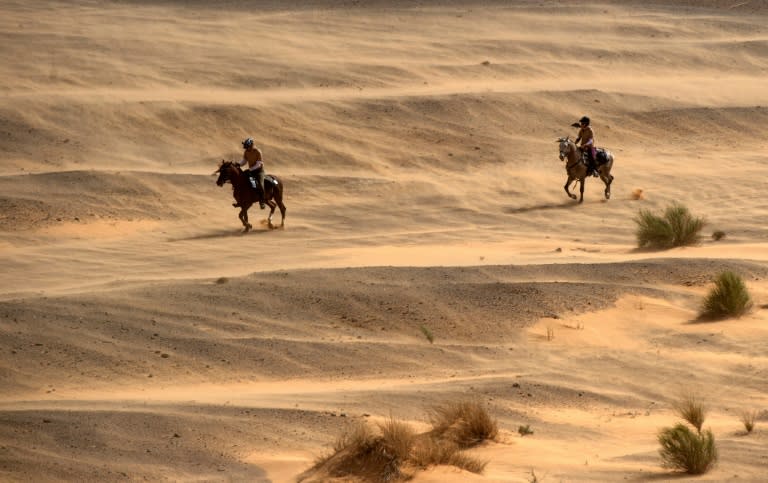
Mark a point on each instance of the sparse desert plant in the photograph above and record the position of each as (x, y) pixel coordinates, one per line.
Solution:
(677, 227)
(465, 423)
(525, 430)
(364, 452)
(729, 298)
(428, 334)
(550, 333)
(398, 438)
(429, 451)
(691, 409)
(718, 235)
(748, 420)
(684, 450)
(392, 450)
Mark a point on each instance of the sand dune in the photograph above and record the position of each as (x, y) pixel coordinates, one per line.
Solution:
(145, 337)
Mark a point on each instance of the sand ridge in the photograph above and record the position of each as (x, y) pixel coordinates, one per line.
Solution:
(145, 337)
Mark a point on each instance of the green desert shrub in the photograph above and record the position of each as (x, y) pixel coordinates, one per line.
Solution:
(729, 298)
(685, 450)
(676, 227)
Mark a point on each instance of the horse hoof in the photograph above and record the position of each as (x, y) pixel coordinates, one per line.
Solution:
(608, 196)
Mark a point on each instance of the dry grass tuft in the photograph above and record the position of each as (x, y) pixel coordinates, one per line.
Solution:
(392, 450)
(684, 450)
(729, 298)
(397, 438)
(691, 409)
(430, 452)
(368, 454)
(677, 227)
(465, 423)
(748, 420)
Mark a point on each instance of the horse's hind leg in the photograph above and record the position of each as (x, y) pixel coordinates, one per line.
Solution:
(272, 206)
(282, 212)
(607, 179)
(279, 201)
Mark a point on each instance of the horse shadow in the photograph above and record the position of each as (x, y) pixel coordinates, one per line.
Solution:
(541, 207)
(223, 233)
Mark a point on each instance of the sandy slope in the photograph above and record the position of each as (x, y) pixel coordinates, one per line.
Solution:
(143, 337)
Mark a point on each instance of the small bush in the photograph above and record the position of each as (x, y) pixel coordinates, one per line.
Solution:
(677, 227)
(718, 235)
(691, 409)
(729, 298)
(684, 450)
(464, 423)
(525, 430)
(748, 420)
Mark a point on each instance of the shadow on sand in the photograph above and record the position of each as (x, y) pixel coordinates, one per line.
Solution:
(228, 233)
(542, 207)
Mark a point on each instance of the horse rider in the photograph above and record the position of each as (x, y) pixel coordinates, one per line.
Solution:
(252, 157)
(587, 138)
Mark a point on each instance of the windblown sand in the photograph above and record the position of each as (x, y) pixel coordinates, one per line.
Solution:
(144, 337)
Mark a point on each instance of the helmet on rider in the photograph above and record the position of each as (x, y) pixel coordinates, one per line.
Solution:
(584, 121)
(248, 143)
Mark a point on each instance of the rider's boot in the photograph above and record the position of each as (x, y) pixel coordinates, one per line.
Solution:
(260, 191)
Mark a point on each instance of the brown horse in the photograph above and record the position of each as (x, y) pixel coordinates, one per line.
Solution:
(245, 195)
(577, 168)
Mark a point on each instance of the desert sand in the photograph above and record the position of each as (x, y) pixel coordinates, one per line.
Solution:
(143, 336)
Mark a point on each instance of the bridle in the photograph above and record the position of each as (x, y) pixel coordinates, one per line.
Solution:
(566, 147)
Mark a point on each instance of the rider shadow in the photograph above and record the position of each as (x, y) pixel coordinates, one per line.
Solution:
(541, 207)
(211, 235)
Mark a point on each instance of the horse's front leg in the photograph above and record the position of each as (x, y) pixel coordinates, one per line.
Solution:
(243, 215)
(567, 191)
(581, 190)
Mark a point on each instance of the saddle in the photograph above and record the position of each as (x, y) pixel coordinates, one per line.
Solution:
(600, 157)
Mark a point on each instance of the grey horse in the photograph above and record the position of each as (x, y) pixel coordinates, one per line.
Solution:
(577, 168)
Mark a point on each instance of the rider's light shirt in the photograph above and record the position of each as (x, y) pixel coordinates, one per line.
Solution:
(587, 136)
